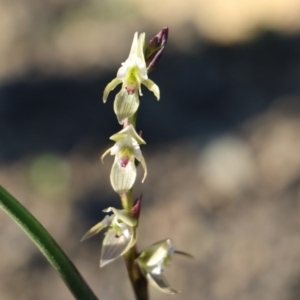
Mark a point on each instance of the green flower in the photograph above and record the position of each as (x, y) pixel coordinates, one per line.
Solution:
(152, 262)
(120, 236)
(131, 74)
(125, 150)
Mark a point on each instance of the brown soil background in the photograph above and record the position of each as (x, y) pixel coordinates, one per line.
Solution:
(223, 147)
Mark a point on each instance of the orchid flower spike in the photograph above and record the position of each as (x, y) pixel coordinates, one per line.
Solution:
(152, 262)
(125, 150)
(131, 74)
(120, 236)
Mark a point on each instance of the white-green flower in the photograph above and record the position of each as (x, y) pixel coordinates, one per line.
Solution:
(125, 150)
(152, 262)
(120, 236)
(131, 74)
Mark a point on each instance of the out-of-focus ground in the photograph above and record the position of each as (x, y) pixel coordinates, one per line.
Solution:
(223, 146)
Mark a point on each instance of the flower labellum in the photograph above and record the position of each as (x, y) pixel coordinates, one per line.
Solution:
(131, 74)
(152, 262)
(125, 150)
(120, 236)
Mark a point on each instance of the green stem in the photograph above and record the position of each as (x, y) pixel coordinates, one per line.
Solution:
(47, 245)
(127, 200)
(138, 280)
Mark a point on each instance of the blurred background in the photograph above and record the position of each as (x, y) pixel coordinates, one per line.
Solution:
(223, 147)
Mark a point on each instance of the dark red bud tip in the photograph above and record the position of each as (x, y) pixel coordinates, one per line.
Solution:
(160, 39)
(155, 48)
(137, 207)
(164, 34)
(141, 134)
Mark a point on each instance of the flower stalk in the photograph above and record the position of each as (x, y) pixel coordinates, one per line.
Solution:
(132, 74)
(127, 200)
(138, 280)
(121, 237)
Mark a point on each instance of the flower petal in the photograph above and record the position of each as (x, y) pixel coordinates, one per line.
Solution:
(122, 178)
(134, 44)
(113, 247)
(140, 46)
(110, 87)
(143, 163)
(105, 153)
(159, 282)
(126, 105)
(157, 252)
(130, 60)
(184, 254)
(116, 148)
(127, 131)
(97, 228)
(137, 150)
(125, 216)
(152, 87)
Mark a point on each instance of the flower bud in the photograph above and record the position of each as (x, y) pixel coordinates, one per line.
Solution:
(155, 49)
